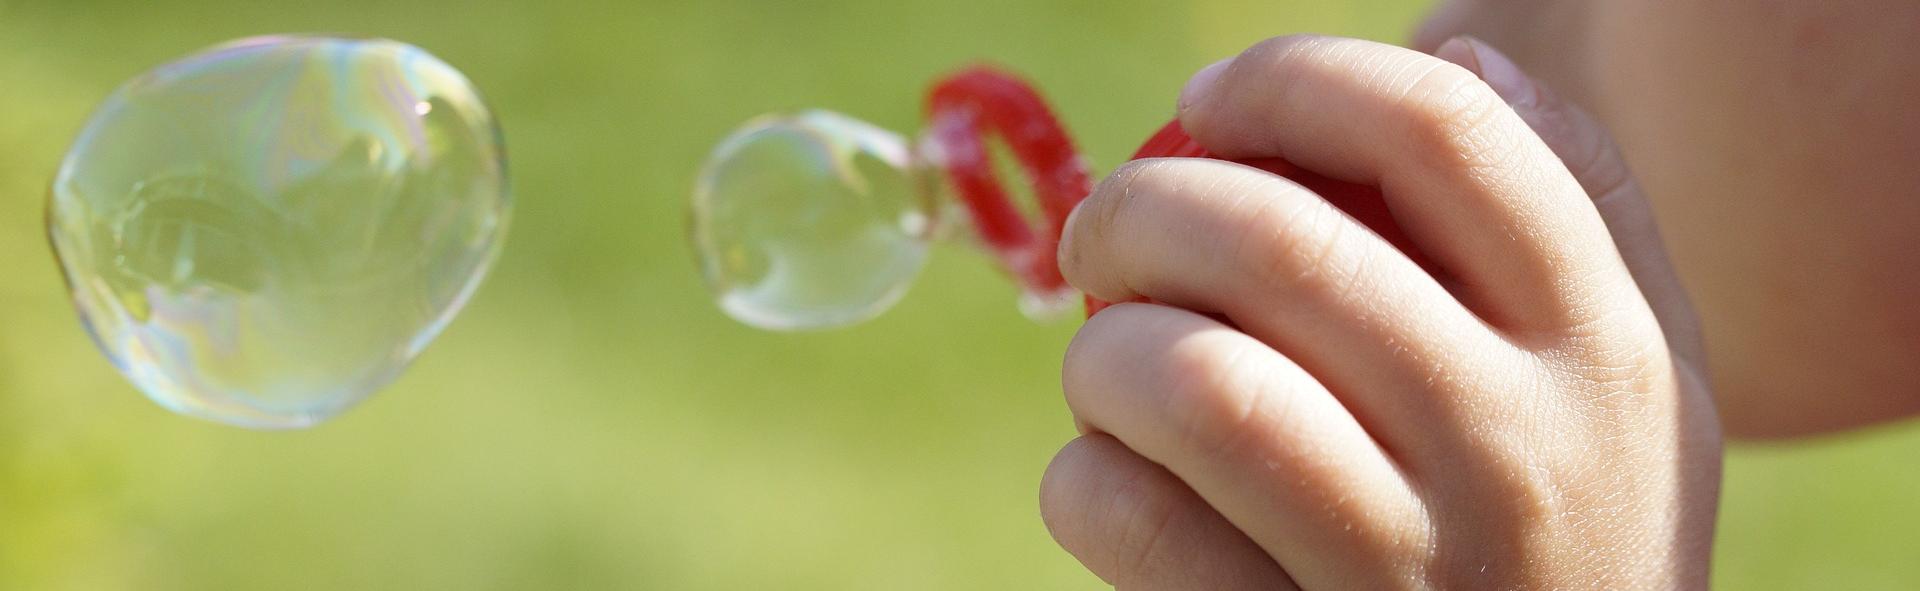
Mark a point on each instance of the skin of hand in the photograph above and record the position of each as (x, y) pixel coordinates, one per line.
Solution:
(1779, 142)
(1306, 407)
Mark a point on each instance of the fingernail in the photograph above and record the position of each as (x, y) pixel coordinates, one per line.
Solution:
(1066, 230)
(1447, 17)
(1506, 78)
(1202, 82)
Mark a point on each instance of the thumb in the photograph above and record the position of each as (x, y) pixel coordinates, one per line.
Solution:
(1588, 151)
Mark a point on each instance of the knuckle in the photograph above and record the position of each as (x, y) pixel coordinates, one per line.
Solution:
(1531, 506)
(1296, 245)
(1535, 496)
(1611, 331)
(1535, 519)
(1622, 376)
(1224, 399)
(1246, 89)
(1452, 115)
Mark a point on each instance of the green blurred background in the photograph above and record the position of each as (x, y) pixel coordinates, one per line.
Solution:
(592, 421)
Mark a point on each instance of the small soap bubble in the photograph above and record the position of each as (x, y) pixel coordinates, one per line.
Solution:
(267, 232)
(811, 221)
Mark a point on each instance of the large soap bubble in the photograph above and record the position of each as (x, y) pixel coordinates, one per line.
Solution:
(267, 232)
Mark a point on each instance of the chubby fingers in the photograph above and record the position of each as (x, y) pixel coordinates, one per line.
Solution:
(1471, 184)
(1136, 526)
(1253, 434)
(1289, 269)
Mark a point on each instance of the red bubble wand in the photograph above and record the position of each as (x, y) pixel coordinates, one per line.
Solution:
(964, 111)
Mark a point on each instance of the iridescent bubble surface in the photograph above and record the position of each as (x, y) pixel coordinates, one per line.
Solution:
(267, 232)
(811, 221)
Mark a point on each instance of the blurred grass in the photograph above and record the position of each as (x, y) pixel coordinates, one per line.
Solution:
(591, 421)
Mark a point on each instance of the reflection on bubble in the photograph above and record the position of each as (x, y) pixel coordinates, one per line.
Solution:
(269, 231)
(810, 221)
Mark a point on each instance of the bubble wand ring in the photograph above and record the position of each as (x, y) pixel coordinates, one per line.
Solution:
(962, 108)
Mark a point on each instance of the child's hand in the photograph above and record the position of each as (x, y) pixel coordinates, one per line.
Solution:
(1311, 408)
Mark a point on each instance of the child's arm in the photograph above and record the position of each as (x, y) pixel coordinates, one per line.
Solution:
(1311, 406)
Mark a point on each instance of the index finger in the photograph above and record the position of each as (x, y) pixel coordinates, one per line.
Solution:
(1471, 184)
